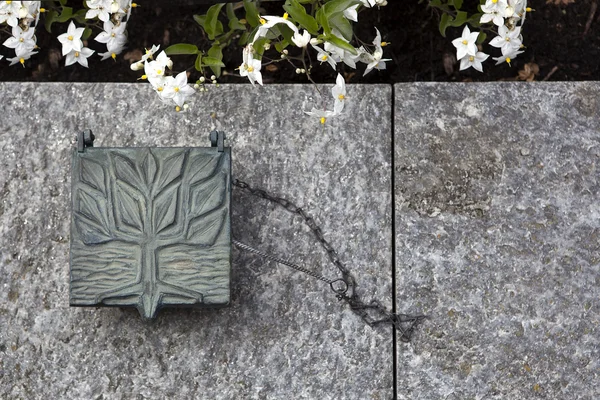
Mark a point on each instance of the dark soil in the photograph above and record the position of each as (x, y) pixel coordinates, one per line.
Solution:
(562, 40)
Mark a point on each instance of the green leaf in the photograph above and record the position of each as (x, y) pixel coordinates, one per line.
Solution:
(286, 32)
(234, 24)
(87, 32)
(217, 53)
(460, 19)
(323, 20)
(212, 62)
(481, 38)
(251, 13)
(458, 4)
(79, 16)
(280, 46)
(338, 6)
(211, 25)
(243, 40)
(340, 43)
(181, 48)
(230, 11)
(444, 22)
(259, 45)
(50, 18)
(198, 63)
(65, 15)
(341, 23)
(201, 20)
(298, 14)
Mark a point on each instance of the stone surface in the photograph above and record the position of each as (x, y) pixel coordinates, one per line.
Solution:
(284, 335)
(497, 239)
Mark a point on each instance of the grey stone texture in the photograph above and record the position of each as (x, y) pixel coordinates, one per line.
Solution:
(284, 334)
(497, 239)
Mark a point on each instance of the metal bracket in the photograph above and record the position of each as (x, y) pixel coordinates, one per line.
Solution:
(217, 139)
(85, 139)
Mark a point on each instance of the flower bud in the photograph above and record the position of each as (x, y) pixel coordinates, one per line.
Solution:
(267, 46)
(136, 66)
(315, 41)
(212, 77)
(169, 63)
(202, 79)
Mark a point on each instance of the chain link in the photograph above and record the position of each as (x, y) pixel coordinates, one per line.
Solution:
(373, 313)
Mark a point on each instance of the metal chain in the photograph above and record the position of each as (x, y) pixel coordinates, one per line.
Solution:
(373, 313)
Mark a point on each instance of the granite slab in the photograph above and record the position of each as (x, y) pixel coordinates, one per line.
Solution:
(284, 335)
(497, 220)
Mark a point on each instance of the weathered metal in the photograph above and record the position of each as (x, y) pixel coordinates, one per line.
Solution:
(150, 227)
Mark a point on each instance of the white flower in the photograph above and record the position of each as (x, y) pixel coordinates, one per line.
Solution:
(71, 40)
(495, 11)
(473, 61)
(9, 12)
(373, 60)
(339, 54)
(155, 70)
(79, 56)
(98, 9)
(507, 40)
(21, 57)
(177, 89)
(339, 94)
(269, 21)
(301, 40)
(506, 58)
(323, 115)
(22, 41)
(251, 69)
(373, 3)
(351, 13)
(466, 43)
(114, 36)
(324, 56)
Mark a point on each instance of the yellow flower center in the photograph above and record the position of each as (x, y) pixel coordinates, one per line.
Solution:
(286, 16)
(263, 21)
(134, 5)
(324, 57)
(341, 97)
(494, 1)
(76, 54)
(471, 58)
(160, 89)
(22, 60)
(113, 34)
(250, 68)
(507, 39)
(70, 37)
(177, 108)
(21, 40)
(8, 2)
(159, 72)
(383, 44)
(42, 10)
(145, 77)
(465, 42)
(529, 9)
(176, 89)
(114, 56)
(323, 120)
(508, 60)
